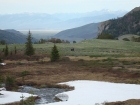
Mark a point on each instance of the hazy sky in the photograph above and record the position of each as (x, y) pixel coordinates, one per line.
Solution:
(64, 6)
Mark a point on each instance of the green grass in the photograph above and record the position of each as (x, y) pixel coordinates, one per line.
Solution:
(92, 48)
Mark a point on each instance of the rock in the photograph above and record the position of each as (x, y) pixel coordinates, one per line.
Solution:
(103, 26)
(3, 88)
(62, 97)
(42, 101)
(2, 64)
(1, 95)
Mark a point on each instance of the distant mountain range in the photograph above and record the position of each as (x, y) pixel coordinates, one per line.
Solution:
(128, 24)
(13, 36)
(59, 21)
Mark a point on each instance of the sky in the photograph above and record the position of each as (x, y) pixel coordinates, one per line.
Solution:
(64, 6)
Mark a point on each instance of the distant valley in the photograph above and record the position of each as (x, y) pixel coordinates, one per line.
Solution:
(41, 34)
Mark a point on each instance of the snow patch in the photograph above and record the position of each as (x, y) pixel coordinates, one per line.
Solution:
(94, 92)
(11, 97)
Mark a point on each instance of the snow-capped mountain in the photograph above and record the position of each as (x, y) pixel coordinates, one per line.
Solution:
(59, 21)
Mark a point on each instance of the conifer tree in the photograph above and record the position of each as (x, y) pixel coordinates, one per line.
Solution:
(29, 50)
(6, 52)
(11, 53)
(54, 54)
(15, 50)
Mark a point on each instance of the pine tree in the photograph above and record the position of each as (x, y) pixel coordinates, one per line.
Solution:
(15, 50)
(10, 82)
(54, 54)
(11, 53)
(6, 52)
(29, 50)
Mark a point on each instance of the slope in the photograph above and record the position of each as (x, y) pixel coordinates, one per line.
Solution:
(13, 36)
(128, 24)
(80, 33)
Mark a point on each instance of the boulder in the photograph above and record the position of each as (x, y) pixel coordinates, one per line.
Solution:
(3, 88)
(62, 97)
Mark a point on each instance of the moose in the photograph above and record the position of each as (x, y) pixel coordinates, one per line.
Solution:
(72, 49)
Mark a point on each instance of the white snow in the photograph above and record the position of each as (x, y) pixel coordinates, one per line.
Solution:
(10, 97)
(93, 92)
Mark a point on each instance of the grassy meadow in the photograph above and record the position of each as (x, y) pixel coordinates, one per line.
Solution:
(92, 48)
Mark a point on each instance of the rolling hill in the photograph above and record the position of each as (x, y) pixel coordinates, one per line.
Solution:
(13, 36)
(80, 33)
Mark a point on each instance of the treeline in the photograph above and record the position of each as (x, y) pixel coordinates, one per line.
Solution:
(6, 52)
(52, 40)
(105, 36)
(2, 42)
(42, 41)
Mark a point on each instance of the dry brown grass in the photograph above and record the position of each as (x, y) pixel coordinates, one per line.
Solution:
(73, 58)
(49, 73)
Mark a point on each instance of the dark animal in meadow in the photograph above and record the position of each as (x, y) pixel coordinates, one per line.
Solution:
(72, 49)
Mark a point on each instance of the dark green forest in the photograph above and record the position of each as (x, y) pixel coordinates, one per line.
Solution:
(128, 24)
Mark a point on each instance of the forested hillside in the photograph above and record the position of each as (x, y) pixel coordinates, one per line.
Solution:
(128, 24)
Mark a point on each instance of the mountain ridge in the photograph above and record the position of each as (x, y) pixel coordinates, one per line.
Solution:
(128, 24)
(79, 33)
(13, 36)
(60, 21)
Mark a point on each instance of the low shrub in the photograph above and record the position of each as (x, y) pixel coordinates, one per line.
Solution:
(25, 73)
(126, 39)
(10, 83)
(1, 60)
(2, 79)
